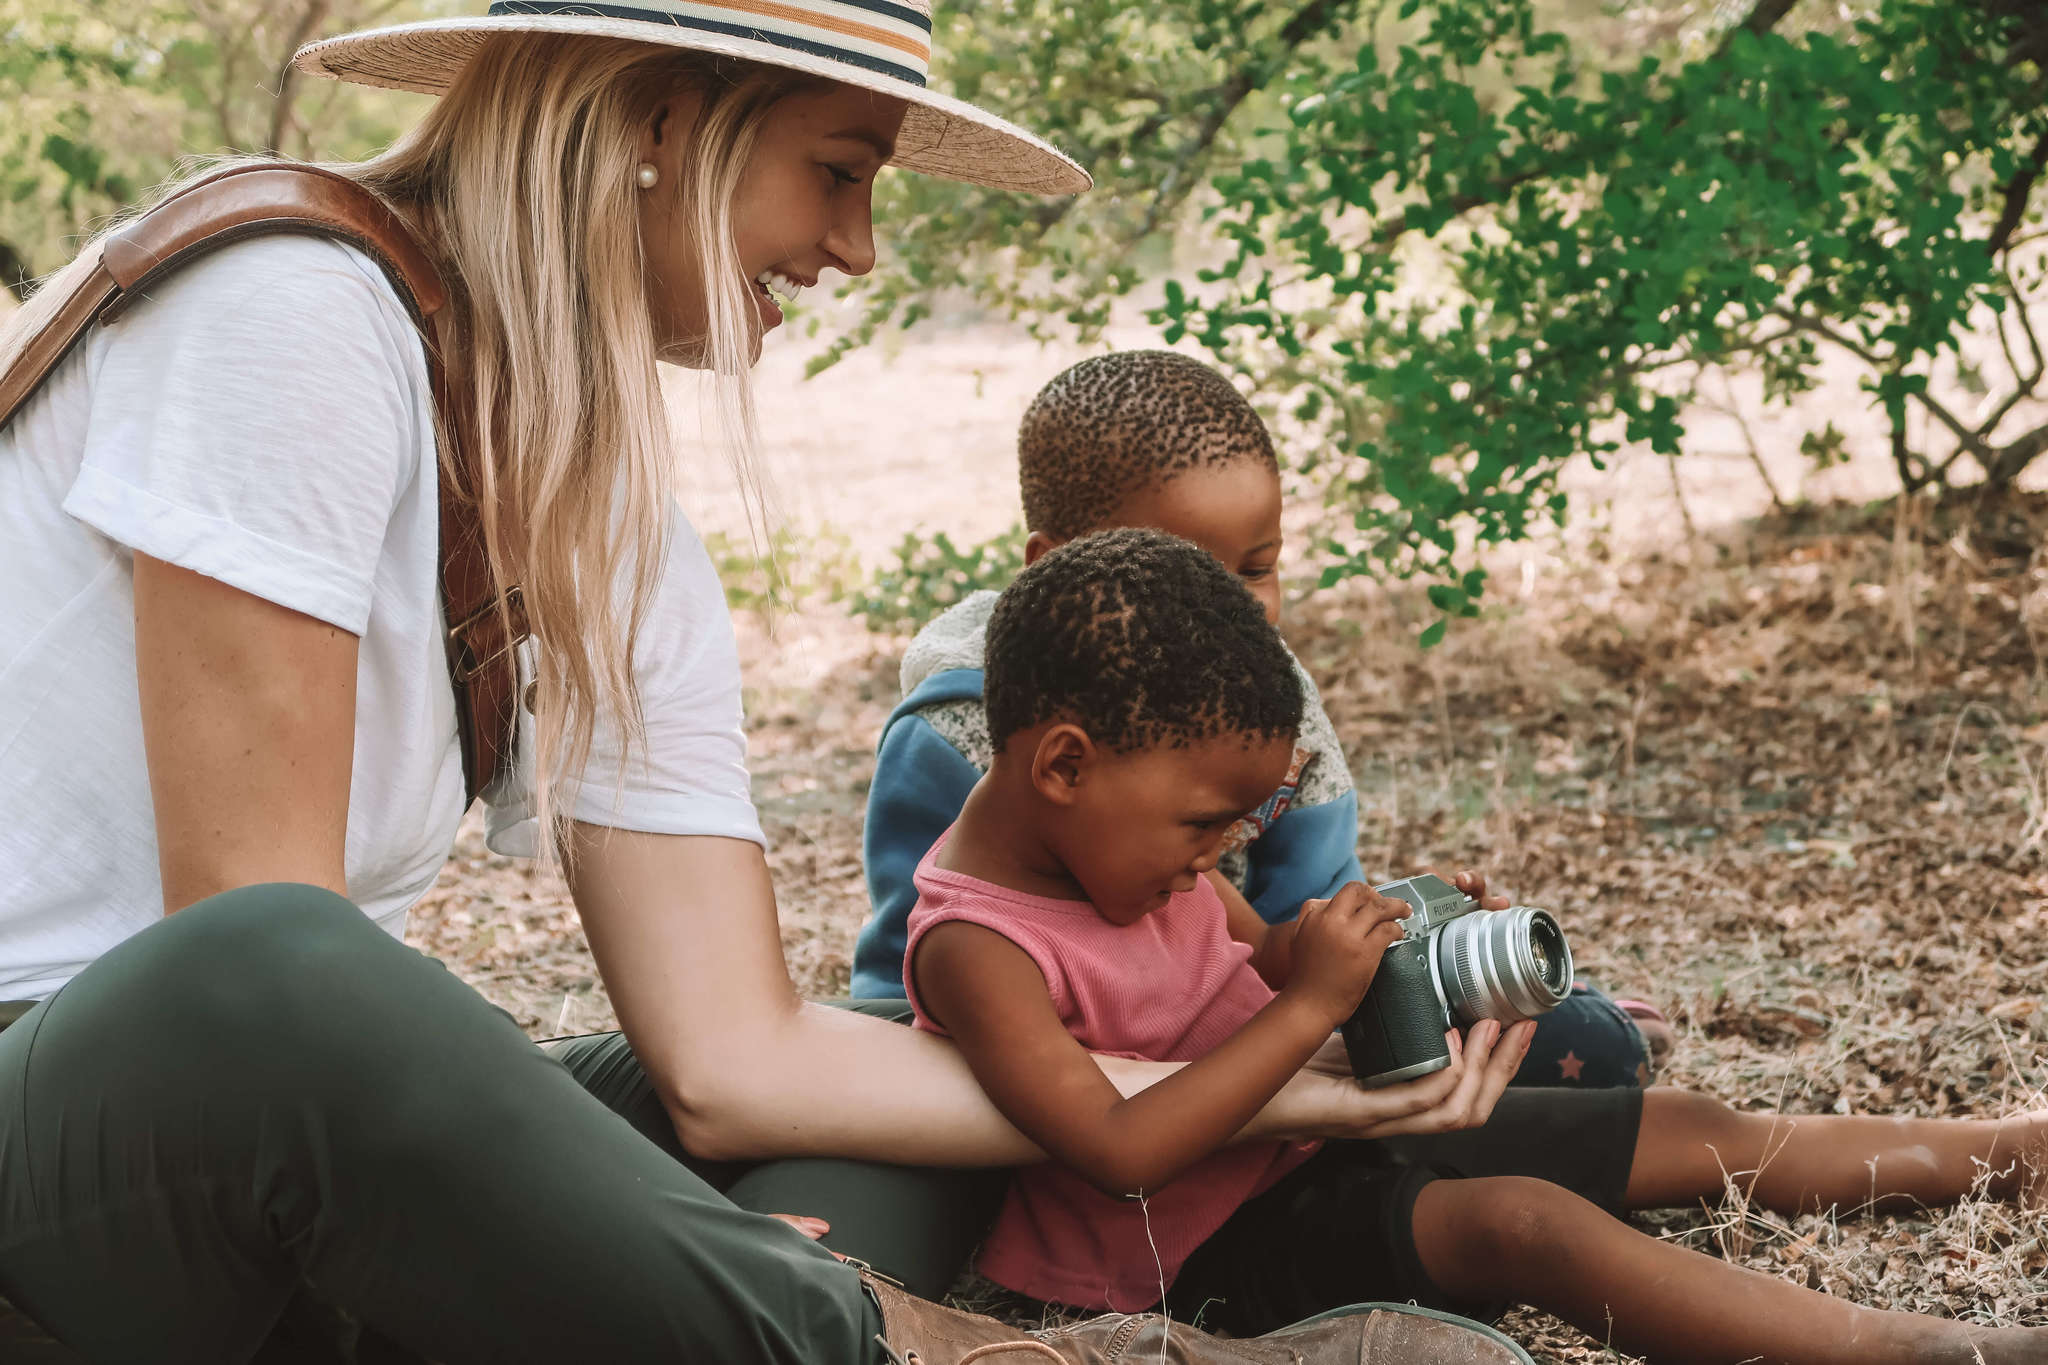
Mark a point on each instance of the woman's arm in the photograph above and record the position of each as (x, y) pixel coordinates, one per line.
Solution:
(684, 932)
(248, 712)
(685, 935)
(248, 723)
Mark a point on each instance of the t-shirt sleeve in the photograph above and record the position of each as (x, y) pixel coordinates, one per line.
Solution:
(688, 775)
(256, 420)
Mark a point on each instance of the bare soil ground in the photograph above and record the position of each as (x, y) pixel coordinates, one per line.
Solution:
(1786, 774)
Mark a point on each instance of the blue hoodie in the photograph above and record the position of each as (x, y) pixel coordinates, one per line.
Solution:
(1301, 845)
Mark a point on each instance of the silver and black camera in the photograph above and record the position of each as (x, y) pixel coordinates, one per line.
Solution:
(1454, 965)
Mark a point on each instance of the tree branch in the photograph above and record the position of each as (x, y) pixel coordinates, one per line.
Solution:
(2031, 43)
(281, 121)
(1498, 190)
(1762, 18)
(2023, 389)
(2026, 325)
(1969, 439)
(2014, 456)
(1304, 24)
(230, 38)
(2012, 359)
(1733, 407)
(2024, 384)
(1913, 470)
(2017, 191)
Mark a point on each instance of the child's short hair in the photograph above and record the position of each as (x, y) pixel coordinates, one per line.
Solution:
(1107, 427)
(1142, 640)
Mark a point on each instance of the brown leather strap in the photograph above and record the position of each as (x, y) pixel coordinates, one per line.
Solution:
(248, 200)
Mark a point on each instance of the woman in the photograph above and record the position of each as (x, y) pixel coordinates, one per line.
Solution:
(230, 752)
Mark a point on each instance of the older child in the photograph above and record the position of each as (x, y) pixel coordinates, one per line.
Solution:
(1153, 438)
(1138, 706)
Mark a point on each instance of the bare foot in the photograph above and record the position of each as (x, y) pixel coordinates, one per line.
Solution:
(1658, 1035)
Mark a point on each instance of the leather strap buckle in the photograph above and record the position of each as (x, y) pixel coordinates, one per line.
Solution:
(481, 639)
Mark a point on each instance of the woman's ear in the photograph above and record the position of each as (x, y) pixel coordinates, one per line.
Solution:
(1036, 544)
(653, 134)
(663, 135)
(1061, 763)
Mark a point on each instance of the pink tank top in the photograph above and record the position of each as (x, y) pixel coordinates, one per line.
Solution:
(1169, 988)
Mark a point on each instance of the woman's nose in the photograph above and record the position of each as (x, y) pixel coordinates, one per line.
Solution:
(851, 241)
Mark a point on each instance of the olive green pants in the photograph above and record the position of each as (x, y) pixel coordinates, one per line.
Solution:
(265, 1095)
(915, 1224)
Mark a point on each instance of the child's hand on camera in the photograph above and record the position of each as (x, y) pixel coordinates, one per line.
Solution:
(1337, 948)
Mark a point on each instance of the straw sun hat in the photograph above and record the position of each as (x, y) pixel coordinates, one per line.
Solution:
(880, 45)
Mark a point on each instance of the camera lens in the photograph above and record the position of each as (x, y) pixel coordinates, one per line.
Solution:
(1505, 964)
(1548, 953)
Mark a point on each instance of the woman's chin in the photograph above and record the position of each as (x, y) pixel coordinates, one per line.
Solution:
(694, 353)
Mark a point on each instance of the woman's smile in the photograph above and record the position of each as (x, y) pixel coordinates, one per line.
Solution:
(772, 290)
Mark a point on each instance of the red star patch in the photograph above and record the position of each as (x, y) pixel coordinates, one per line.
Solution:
(1571, 1066)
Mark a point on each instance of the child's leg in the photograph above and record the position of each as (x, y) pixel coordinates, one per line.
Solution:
(1540, 1244)
(1803, 1163)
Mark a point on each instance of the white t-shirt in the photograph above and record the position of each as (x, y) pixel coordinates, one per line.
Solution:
(265, 419)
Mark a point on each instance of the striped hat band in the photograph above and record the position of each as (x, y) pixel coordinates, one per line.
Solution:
(880, 46)
(890, 39)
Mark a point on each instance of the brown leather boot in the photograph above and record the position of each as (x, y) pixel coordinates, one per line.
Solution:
(917, 1332)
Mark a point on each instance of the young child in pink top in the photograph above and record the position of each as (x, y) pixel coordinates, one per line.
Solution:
(1172, 986)
(1139, 704)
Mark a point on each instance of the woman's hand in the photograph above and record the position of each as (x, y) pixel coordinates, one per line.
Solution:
(813, 1228)
(1329, 1103)
(1333, 1058)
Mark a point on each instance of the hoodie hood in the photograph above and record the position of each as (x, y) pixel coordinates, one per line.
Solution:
(953, 640)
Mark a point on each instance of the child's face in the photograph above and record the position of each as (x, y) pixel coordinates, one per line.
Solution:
(1232, 511)
(1144, 825)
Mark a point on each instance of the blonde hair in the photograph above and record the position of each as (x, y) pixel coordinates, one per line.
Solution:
(521, 179)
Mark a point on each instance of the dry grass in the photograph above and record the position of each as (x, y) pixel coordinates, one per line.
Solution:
(1788, 784)
(1789, 780)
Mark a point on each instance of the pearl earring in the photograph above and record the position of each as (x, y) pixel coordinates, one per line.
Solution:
(647, 176)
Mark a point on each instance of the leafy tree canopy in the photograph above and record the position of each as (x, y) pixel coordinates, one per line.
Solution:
(1457, 250)
(103, 99)
(1450, 246)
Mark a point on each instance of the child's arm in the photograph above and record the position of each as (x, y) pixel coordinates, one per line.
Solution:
(1272, 945)
(989, 994)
